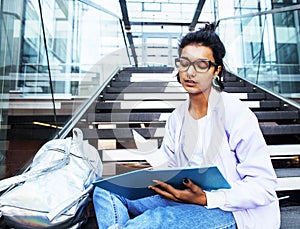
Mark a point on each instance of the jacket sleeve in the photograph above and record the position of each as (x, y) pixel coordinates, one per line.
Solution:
(168, 144)
(258, 181)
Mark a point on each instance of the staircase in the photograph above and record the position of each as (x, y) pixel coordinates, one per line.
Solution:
(141, 99)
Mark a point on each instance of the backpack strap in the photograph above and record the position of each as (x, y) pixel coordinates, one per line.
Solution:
(53, 214)
(32, 173)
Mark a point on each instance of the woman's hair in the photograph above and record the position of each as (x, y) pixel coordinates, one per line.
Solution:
(207, 37)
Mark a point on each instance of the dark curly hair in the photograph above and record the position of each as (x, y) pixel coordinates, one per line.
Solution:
(207, 36)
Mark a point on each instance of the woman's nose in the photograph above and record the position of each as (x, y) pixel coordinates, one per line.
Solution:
(191, 71)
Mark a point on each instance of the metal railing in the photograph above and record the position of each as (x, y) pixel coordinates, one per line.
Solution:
(263, 47)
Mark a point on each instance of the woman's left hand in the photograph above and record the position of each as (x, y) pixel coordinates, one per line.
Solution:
(193, 194)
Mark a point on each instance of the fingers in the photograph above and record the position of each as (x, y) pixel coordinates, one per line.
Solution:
(189, 184)
(163, 193)
(165, 190)
(165, 186)
(199, 194)
(192, 193)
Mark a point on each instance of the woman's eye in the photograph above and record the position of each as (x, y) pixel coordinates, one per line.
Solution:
(184, 63)
(202, 65)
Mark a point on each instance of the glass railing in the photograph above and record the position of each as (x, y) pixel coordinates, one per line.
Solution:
(264, 48)
(53, 56)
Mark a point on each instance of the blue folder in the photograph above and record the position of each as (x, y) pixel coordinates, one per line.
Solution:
(134, 185)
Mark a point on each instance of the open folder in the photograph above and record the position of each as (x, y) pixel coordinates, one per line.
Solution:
(134, 185)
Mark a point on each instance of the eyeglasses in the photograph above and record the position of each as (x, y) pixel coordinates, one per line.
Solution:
(183, 64)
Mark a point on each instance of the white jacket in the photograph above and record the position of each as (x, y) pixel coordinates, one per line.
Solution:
(233, 141)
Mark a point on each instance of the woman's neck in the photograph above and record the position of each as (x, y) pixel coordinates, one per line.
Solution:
(198, 105)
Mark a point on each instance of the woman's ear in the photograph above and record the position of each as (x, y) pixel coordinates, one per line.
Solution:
(218, 70)
(178, 77)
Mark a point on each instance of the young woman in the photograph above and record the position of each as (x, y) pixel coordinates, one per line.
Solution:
(210, 128)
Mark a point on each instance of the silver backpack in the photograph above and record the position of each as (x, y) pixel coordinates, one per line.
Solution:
(55, 188)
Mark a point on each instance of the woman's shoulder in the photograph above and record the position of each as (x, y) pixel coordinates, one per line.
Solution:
(181, 108)
(179, 112)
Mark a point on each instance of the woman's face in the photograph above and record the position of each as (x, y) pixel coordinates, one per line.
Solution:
(197, 82)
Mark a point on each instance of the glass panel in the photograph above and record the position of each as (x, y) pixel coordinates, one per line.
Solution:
(84, 46)
(168, 11)
(265, 50)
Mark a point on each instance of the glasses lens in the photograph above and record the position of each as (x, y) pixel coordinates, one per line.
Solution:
(202, 65)
(182, 64)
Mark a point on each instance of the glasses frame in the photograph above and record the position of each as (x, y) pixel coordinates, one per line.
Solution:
(210, 64)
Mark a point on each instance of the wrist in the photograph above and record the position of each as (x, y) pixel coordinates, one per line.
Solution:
(202, 200)
(215, 199)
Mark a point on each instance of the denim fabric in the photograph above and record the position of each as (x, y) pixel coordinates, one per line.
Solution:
(113, 211)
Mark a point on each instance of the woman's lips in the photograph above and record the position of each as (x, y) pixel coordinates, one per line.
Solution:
(190, 83)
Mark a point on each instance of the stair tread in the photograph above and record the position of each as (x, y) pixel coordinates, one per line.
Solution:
(160, 116)
(287, 172)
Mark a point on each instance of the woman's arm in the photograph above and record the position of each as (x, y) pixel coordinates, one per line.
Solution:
(257, 179)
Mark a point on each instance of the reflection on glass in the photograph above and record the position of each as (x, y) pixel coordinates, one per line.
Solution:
(265, 50)
(83, 46)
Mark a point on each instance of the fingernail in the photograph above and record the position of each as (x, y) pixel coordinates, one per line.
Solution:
(156, 181)
(185, 181)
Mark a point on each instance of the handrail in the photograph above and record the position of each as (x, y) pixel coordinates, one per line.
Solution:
(83, 108)
(5, 32)
(48, 63)
(272, 11)
(257, 64)
(98, 7)
(285, 100)
(123, 33)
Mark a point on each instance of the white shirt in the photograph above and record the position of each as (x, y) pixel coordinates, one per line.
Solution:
(192, 140)
(232, 140)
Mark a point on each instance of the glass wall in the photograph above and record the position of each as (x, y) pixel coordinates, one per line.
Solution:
(264, 48)
(71, 47)
(66, 47)
(157, 44)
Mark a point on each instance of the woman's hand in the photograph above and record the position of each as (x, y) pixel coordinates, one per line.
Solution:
(193, 194)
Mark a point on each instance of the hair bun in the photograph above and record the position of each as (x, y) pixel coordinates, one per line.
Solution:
(211, 26)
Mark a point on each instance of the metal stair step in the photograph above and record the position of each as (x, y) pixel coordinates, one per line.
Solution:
(144, 89)
(160, 116)
(171, 104)
(148, 69)
(145, 96)
(146, 77)
(288, 179)
(230, 79)
(284, 150)
(128, 117)
(144, 84)
(275, 150)
(290, 216)
(171, 96)
(166, 89)
(164, 84)
(123, 133)
(289, 129)
(288, 172)
(277, 115)
(159, 132)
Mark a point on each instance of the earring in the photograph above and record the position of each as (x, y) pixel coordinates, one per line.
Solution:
(215, 83)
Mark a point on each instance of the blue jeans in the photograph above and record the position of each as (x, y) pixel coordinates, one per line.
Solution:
(155, 212)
